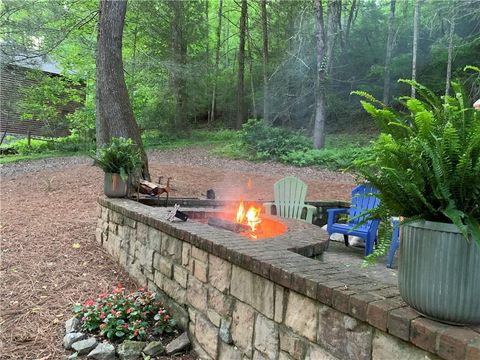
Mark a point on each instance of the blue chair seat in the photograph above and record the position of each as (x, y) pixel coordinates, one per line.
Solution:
(363, 198)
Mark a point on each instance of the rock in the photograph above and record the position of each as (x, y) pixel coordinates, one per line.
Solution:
(130, 350)
(179, 344)
(71, 338)
(103, 351)
(72, 325)
(154, 348)
(84, 346)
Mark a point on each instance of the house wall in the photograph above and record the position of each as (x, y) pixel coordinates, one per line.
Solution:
(12, 79)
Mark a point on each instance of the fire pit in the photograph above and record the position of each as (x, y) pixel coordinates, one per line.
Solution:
(247, 220)
(220, 222)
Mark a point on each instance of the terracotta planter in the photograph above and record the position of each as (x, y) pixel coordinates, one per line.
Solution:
(439, 272)
(114, 186)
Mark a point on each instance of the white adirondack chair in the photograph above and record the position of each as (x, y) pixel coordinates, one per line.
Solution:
(289, 202)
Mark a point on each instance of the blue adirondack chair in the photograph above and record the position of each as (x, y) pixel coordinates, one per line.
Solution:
(363, 199)
(395, 242)
(289, 202)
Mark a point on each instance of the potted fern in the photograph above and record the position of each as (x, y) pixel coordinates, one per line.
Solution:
(426, 164)
(119, 160)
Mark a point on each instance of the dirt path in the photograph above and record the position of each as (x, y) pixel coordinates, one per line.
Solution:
(48, 206)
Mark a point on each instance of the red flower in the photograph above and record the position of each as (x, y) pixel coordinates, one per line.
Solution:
(103, 296)
(141, 290)
(102, 315)
(89, 302)
(125, 326)
(135, 333)
(129, 310)
(113, 312)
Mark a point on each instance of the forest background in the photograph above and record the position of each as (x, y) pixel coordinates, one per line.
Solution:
(213, 65)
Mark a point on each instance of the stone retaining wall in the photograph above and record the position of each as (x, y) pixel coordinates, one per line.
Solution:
(254, 300)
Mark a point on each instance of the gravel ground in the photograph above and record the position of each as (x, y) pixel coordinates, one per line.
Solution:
(47, 206)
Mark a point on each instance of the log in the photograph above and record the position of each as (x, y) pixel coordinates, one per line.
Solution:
(228, 225)
(148, 187)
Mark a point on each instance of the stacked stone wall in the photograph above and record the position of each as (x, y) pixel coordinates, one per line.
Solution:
(278, 307)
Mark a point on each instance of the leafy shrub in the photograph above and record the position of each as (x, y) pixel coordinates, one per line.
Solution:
(124, 316)
(330, 158)
(263, 141)
(426, 162)
(120, 156)
(36, 146)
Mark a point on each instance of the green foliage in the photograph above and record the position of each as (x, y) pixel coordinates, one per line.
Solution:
(47, 99)
(263, 141)
(426, 162)
(120, 156)
(334, 159)
(124, 316)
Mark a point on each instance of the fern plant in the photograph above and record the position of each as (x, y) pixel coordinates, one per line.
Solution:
(120, 156)
(425, 162)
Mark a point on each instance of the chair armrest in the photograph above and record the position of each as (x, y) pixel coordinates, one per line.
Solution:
(311, 211)
(268, 207)
(331, 214)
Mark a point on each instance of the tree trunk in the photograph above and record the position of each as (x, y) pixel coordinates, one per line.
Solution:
(416, 24)
(388, 55)
(217, 61)
(263, 4)
(179, 55)
(450, 50)
(114, 115)
(349, 22)
(241, 113)
(320, 83)
(331, 19)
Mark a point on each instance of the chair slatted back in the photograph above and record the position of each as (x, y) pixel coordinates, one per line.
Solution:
(290, 195)
(363, 199)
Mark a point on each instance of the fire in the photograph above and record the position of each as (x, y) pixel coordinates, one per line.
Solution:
(250, 217)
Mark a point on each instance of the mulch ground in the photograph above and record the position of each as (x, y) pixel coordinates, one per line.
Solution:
(49, 206)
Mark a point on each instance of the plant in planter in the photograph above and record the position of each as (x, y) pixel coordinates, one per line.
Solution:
(426, 164)
(119, 159)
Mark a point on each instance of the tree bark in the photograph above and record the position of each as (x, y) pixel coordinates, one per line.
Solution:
(450, 50)
(241, 113)
(263, 7)
(114, 115)
(320, 83)
(416, 25)
(388, 55)
(217, 61)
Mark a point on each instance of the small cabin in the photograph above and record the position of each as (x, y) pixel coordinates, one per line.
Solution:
(14, 75)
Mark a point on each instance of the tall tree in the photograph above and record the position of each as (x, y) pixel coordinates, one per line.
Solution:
(388, 55)
(263, 7)
(450, 47)
(114, 115)
(416, 25)
(241, 111)
(217, 60)
(179, 57)
(320, 80)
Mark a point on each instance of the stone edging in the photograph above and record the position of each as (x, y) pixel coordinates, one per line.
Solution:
(288, 265)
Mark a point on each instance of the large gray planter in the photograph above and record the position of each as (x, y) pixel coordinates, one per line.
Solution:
(439, 272)
(114, 186)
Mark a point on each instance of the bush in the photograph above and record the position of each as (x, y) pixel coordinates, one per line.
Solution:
(263, 141)
(120, 156)
(124, 316)
(36, 146)
(330, 158)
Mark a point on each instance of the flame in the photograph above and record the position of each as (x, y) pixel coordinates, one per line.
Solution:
(250, 217)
